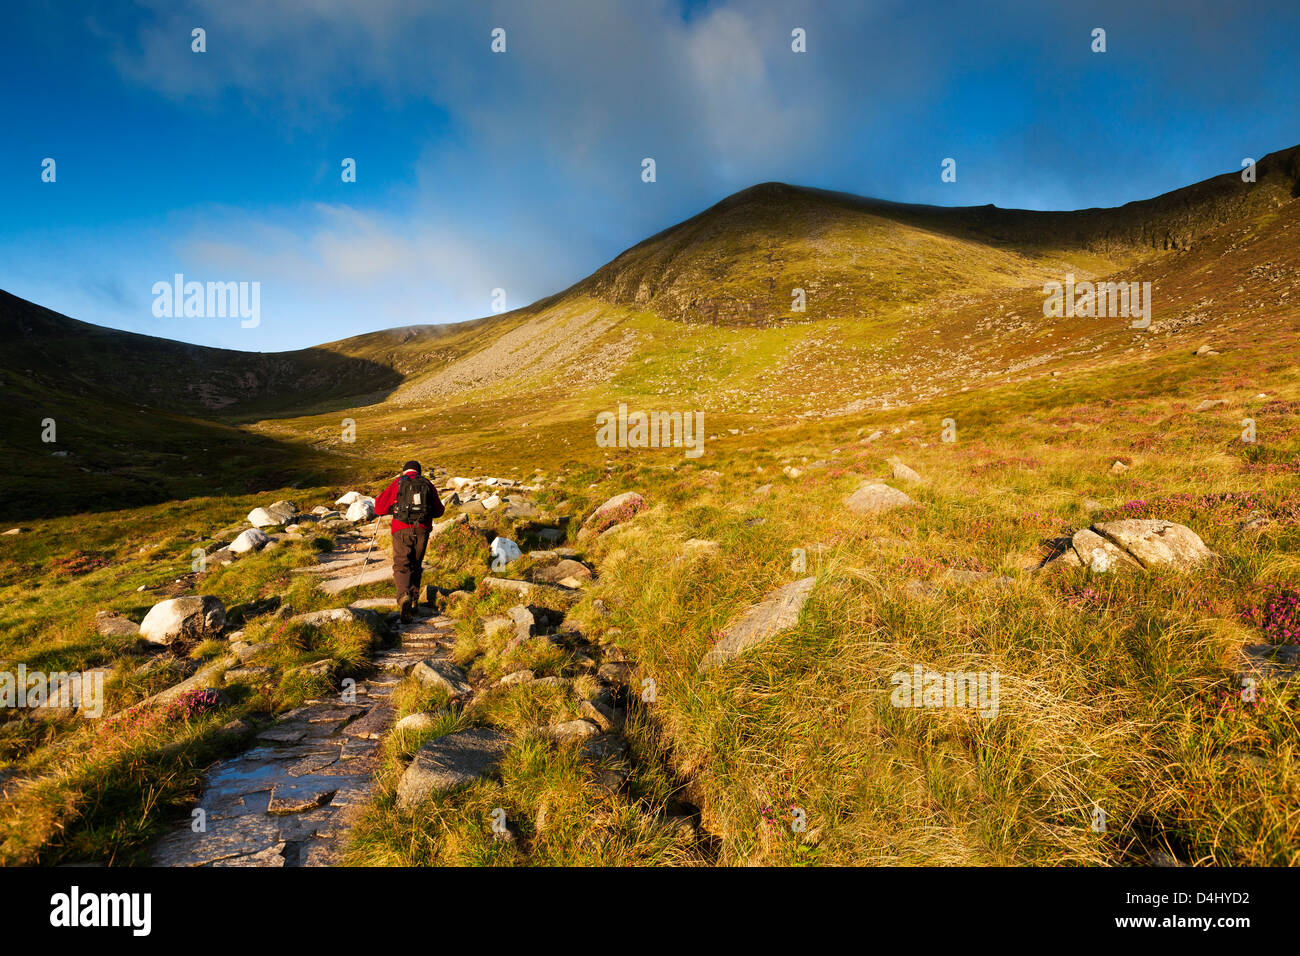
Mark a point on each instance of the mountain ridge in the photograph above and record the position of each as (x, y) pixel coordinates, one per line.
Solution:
(736, 263)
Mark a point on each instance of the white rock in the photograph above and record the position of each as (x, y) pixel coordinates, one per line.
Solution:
(492, 502)
(261, 518)
(184, 617)
(250, 540)
(348, 498)
(504, 551)
(361, 509)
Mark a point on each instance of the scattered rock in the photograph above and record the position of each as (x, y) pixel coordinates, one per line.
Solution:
(1135, 542)
(362, 509)
(918, 589)
(1117, 467)
(248, 673)
(519, 587)
(698, 547)
(416, 722)
(523, 621)
(600, 714)
(571, 731)
(112, 624)
(563, 570)
(1255, 521)
(614, 511)
(451, 761)
(495, 625)
(1097, 554)
(777, 612)
(1163, 858)
(1206, 405)
(903, 473)
(617, 672)
(183, 618)
(340, 615)
(1271, 661)
(523, 676)
(321, 668)
(503, 552)
(440, 526)
(251, 540)
(874, 497)
(1157, 543)
(443, 675)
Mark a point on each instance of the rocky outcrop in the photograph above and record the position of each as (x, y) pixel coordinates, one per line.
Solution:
(1143, 543)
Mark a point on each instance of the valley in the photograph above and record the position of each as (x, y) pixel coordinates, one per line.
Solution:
(827, 529)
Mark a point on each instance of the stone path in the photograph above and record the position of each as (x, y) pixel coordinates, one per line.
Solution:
(288, 801)
(351, 563)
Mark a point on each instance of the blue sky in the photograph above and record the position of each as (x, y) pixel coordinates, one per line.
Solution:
(522, 170)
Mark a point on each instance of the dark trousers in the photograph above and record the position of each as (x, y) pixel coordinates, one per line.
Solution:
(408, 558)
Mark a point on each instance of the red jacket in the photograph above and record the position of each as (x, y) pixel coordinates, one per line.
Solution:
(384, 503)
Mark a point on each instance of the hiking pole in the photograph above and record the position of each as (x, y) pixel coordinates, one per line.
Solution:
(374, 535)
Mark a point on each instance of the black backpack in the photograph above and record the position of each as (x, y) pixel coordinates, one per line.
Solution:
(412, 505)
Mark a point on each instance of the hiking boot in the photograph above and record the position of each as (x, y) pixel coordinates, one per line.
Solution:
(406, 612)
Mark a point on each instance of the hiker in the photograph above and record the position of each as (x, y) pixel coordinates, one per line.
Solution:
(413, 502)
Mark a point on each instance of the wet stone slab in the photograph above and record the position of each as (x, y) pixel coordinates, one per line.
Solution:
(260, 807)
(288, 800)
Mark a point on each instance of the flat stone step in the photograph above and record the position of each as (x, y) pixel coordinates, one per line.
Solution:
(349, 581)
(288, 800)
(373, 724)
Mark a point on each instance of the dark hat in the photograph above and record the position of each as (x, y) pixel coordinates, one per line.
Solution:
(412, 465)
